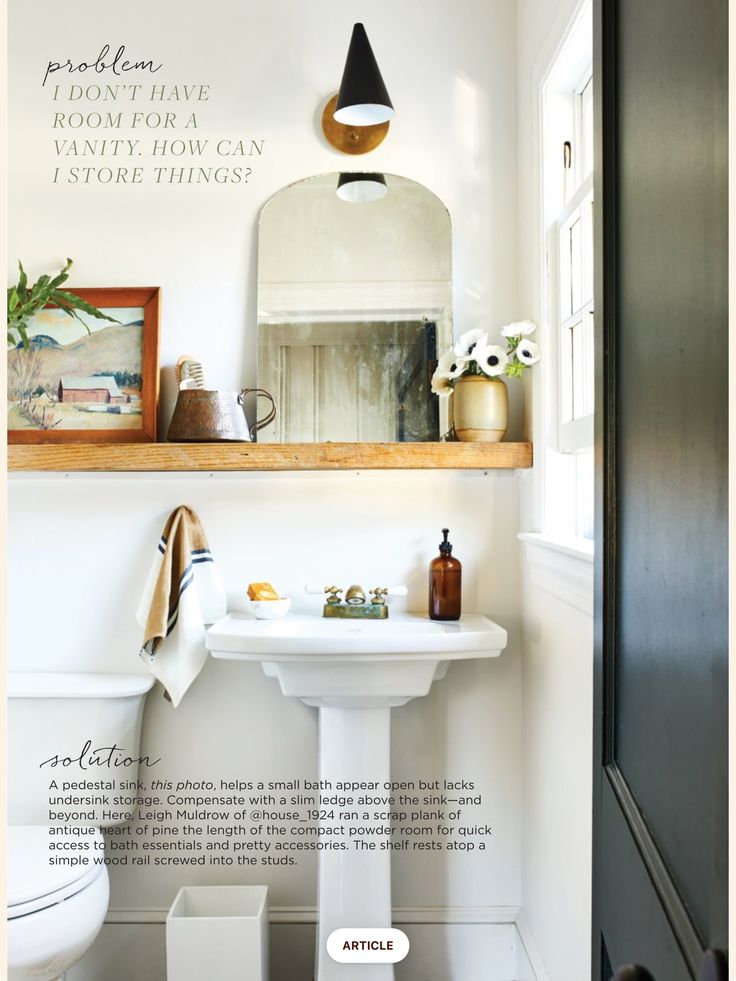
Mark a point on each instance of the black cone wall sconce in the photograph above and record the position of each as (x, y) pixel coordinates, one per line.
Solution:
(362, 99)
(356, 119)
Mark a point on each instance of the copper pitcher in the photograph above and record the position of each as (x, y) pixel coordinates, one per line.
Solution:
(202, 416)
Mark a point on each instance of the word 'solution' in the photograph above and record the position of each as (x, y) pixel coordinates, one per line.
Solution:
(109, 756)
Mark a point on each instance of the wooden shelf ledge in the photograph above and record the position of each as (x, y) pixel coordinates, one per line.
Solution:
(165, 457)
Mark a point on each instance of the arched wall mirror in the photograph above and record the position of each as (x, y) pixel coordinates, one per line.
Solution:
(354, 304)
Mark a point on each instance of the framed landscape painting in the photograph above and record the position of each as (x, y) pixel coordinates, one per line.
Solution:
(77, 386)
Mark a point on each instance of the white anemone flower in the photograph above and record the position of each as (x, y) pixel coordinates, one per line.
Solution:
(452, 365)
(492, 359)
(449, 367)
(527, 352)
(441, 384)
(470, 340)
(521, 328)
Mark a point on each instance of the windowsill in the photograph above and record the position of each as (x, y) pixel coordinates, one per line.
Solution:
(580, 548)
(561, 567)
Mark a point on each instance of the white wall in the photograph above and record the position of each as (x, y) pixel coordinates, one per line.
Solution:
(557, 624)
(557, 687)
(450, 71)
(234, 721)
(270, 67)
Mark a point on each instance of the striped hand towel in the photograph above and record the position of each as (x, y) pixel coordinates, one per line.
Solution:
(182, 594)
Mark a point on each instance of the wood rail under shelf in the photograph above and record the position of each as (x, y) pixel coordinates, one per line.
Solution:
(166, 457)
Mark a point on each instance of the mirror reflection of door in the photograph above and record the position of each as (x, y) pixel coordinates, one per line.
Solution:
(417, 416)
(351, 383)
(354, 301)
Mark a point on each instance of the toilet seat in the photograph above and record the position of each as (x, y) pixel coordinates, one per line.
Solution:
(34, 884)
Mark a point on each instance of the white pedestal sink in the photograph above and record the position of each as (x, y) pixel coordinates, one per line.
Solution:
(354, 672)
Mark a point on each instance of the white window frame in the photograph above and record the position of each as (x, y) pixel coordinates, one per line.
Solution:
(574, 431)
(566, 455)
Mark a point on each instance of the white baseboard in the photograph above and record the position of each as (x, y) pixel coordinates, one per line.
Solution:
(530, 949)
(308, 914)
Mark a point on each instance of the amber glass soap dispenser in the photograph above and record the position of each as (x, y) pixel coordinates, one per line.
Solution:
(445, 583)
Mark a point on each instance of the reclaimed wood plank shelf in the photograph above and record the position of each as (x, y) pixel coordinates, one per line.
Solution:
(190, 457)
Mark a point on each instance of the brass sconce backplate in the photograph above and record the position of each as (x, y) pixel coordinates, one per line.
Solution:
(350, 139)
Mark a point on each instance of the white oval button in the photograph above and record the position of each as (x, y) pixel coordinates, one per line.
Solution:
(366, 946)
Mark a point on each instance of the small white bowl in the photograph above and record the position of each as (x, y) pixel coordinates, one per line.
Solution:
(269, 609)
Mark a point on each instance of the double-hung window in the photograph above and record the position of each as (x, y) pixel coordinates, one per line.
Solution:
(567, 172)
(575, 282)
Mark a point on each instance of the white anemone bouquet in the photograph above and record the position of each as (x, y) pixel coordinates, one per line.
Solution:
(473, 355)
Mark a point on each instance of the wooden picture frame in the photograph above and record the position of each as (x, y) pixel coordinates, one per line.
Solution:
(43, 420)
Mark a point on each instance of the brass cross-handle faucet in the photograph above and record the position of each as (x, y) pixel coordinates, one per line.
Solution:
(355, 606)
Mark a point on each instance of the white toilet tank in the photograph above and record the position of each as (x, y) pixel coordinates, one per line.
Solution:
(69, 729)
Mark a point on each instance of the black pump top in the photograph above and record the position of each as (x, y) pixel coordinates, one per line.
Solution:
(445, 546)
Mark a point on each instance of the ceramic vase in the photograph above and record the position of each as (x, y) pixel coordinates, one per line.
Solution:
(480, 409)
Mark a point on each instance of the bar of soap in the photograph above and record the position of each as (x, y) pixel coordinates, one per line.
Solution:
(262, 591)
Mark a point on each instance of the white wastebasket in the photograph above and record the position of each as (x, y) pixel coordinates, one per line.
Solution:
(218, 932)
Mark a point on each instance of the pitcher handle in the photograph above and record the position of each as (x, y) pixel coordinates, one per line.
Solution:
(270, 415)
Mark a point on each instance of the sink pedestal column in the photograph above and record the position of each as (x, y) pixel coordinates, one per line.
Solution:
(354, 885)
(355, 672)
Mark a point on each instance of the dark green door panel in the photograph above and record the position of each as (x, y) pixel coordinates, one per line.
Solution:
(661, 539)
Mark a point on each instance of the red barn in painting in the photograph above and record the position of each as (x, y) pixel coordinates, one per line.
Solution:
(101, 388)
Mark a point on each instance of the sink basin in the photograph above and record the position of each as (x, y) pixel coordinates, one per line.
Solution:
(355, 663)
(355, 672)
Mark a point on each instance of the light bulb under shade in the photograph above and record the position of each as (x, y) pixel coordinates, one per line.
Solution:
(363, 99)
(368, 114)
(361, 188)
